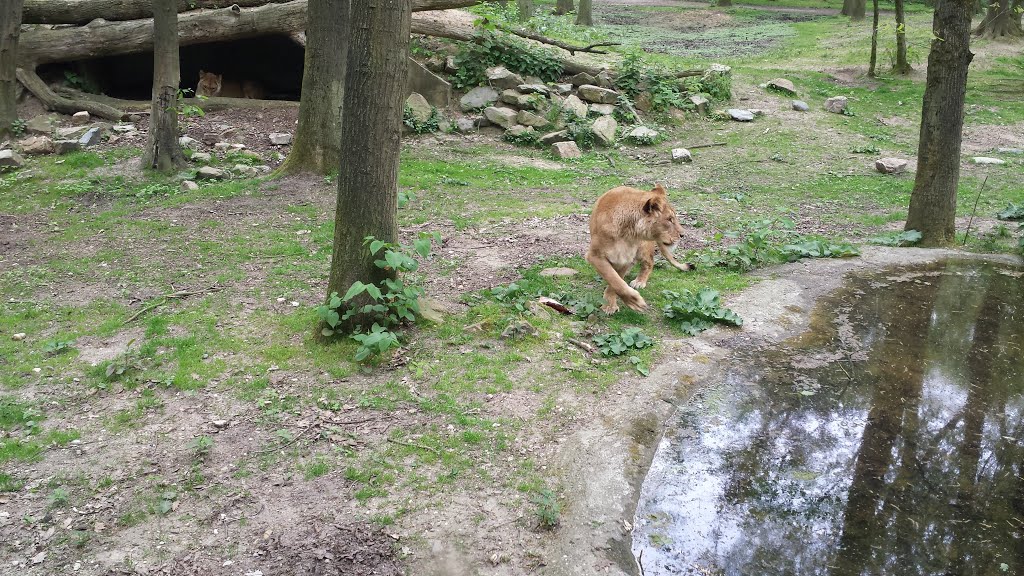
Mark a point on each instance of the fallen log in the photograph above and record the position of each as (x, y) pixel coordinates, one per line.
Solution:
(84, 11)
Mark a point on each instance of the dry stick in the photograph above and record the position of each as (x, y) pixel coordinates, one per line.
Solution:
(582, 345)
(180, 294)
(290, 442)
(414, 445)
(567, 47)
(705, 145)
(974, 210)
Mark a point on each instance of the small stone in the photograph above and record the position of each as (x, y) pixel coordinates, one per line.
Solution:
(236, 146)
(125, 128)
(187, 142)
(533, 89)
(891, 165)
(449, 65)
(740, 115)
(38, 558)
(553, 137)
(245, 170)
(222, 146)
(836, 104)
(1010, 150)
(519, 130)
(431, 310)
(10, 158)
(36, 145)
(419, 108)
(221, 424)
(782, 85)
(597, 94)
(987, 160)
(558, 272)
(681, 155)
(477, 98)
(230, 135)
(604, 130)
(562, 89)
(69, 132)
(604, 79)
(643, 102)
(800, 106)
(201, 157)
(511, 97)
(566, 150)
(67, 146)
(91, 138)
(582, 78)
(504, 117)
(642, 135)
(501, 78)
(464, 125)
(519, 329)
(210, 138)
(575, 106)
(210, 173)
(603, 109)
(80, 118)
(528, 118)
(18, 337)
(700, 103)
(189, 186)
(280, 138)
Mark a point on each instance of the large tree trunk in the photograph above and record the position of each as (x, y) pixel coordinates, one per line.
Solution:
(84, 11)
(933, 200)
(855, 9)
(902, 66)
(584, 15)
(163, 152)
(10, 26)
(1001, 21)
(525, 9)
(371, 130)
(564, 7)
(318, 135)
(874, 39)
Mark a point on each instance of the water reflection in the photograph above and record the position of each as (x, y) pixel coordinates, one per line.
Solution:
(886, 440)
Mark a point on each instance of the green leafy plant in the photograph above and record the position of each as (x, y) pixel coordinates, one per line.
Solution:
(200, 447)
(866, 149)
(1012, 211)
(644, 139)
(241, 157)
(618, 343)
(905, 238)
(18, 127)
(165, 504)
(581, 131)
(186, 109)
(753, 248)
(547, 509)
(58, 346)
(696, 312)
(427, 126)
(818, 249)
(524, 138)
(78, 82)
(58, 498)
(494, 48)
(153, 190)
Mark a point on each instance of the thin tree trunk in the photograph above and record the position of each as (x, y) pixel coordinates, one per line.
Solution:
(1001, 21)
(10, 27)
(933, 200)
(371, 130)
(163, 152)
(874, 39)
(854, 9)
(584, 16)
(525, 9)
(564, 7)
(317, 139)
(902, 66)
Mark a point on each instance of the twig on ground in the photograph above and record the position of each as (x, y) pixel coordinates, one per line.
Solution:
(177, 295)
(708, 145)
(290, 442)
(582, 345)
(244, 517)
(567, 47)
(974, 210)
(414, 445)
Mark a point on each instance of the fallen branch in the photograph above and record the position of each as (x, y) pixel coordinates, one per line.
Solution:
(414, 445)
(179, 295)
(582, 345)
(709, 145)
(34, 84)
(567, 47)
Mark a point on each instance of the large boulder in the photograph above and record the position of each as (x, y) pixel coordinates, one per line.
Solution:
(11, 159)
(432, 87)
(210, 173)
(575, 106)
(643, 135)
(555, 137)
(67, 146)
(504, 117)
(527, 118)
(592, 93)
(42, 124)
(740, 115)
(836, 104)
(603, 109)
(92, 137)
(419, 108)
(782, 85)
(891, 165)
(566, 150)
(502, 79)
(36, 145)
(280, 138)
(477, 98)
(582, 78)
(534, 89)
(604, 130)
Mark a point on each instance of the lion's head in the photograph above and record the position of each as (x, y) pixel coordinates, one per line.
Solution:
(660, 220)
(209, 84)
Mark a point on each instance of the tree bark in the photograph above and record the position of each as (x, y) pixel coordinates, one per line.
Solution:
(318, 136)
(874, 39)
(10, 27)
(584, 14)
(855, 9)
(902, 66)
(933, 200)
(525, 9)
(564, 7)
(1001, 21)
(163, 153)
(724, 3)
(375, 80)
(85, 11)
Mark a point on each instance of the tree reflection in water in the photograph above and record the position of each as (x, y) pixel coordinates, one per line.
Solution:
(885, 441)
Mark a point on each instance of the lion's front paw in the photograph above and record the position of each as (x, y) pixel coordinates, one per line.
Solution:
(635, 301)
(610, 309)
(638, 283)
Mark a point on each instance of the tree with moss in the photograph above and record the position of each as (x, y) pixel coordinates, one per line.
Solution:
(163, 153)
(10, 28)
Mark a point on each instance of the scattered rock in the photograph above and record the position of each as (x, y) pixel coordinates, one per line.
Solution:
(504, 117)
(566, 150)
(464, 125)
(604, 130)
(528, 118)
(836, 104)
(782, 85)
(582, 78)
(563, 89)
(92, 137)
(236, 146)
(1009, 150)
(592, 93)
(534, 89)
(418, 106)
(41, 124)
(67, 146)
(10, 158)
(201, 157)
(891, 165)
(642, 135)
(501, 78)
(519, 130)
(189, 186)
(36, 145)
(210, 173)
(519, 329)
(511, 96)
(477, 98)
(18, 337)
(210, 138)
(554, 137)
(80, 118)
(230, 135)
(700, 103)
(987, 160)
(604, 79)
(126, 128)
(222, 146)
(69, 132)
(449, 65)
(432, 310)
(800, 106)
(280, 138)
(245, 170)
(740, 115)
(575, 106)
(558, 272)
(220, 424)
(681, 155)
(186, 142)
(643, 102)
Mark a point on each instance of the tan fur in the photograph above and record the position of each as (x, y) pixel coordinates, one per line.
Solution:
(211, 85)
(626, 227)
